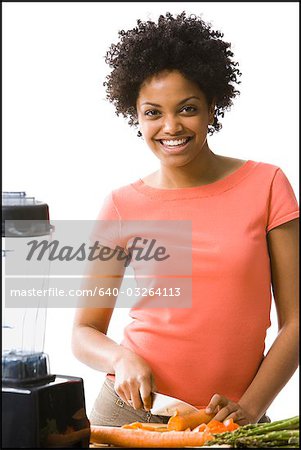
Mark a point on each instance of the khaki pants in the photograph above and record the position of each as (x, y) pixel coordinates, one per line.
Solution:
(110, 410)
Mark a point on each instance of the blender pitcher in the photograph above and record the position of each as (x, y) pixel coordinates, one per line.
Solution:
(23, 328)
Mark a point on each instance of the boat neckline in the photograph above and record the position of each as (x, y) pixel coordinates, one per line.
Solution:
(213, 188)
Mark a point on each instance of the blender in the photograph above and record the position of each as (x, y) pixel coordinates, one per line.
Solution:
(39, 409)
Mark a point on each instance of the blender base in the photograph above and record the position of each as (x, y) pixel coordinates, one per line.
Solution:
(45, 415)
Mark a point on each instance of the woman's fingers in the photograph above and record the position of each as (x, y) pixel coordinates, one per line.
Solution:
(216, 400)
(140, 393)
(127, 396)
(223, 408)
(225, 412)
(240, 417)
(153, 384)
(146, 395)
(243, 422)
(236, 416)
(134, 395)
(136, 399)
(123, 394)
(134, 381)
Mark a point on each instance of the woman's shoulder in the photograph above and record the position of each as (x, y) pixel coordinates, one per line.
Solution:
(150, 179)
(124, 190)
(231, 163)
(260, 172)
(228, 164)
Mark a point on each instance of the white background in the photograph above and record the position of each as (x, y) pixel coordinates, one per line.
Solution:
(63, 143)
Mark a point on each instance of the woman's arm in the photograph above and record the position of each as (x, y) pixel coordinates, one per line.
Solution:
(89, 341)
(282, 359)
(133, 377)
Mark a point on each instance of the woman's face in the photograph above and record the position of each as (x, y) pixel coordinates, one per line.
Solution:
(173, 116)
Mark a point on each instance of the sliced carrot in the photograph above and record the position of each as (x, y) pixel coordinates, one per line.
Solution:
(143, 438)
(201, 427)
(192, 420)
(215, 426)
(230, 424)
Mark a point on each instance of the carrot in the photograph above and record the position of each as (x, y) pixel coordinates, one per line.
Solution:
(192, 420)
(202, 427)
(231, 425)
(144, 426)
(142, 438)
(215, 426)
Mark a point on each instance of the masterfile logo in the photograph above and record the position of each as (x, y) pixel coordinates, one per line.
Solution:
(101, 264)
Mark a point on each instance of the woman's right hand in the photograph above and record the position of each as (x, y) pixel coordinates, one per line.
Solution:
(134, 381)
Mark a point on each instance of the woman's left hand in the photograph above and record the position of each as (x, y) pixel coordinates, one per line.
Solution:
(226, 409)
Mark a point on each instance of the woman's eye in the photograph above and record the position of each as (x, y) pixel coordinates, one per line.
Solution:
(151, 112)
(189, 109)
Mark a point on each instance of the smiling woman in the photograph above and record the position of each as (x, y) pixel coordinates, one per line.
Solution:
(175, 78)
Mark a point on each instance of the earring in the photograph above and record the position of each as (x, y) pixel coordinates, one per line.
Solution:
(139, 134)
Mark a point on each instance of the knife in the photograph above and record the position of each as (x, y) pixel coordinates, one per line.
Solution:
(163, 405)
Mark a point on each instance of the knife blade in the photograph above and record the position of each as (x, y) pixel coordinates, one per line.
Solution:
(164, 405)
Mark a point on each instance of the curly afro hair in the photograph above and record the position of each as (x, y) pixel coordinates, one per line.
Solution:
(183, 43)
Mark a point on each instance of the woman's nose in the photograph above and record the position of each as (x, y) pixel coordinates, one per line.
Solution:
(172, 124)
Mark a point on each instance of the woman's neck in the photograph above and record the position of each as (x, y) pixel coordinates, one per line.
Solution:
(204, 170)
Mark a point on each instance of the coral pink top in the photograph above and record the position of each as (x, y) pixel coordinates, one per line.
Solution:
(217, 343)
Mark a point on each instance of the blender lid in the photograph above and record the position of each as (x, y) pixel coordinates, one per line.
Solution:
(25, 216)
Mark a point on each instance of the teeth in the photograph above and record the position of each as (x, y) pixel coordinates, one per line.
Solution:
(174, 143)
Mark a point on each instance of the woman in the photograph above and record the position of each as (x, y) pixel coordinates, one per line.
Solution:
(174, 79)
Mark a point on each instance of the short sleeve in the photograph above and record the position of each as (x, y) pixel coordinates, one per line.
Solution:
(283, 205)
(106, 229)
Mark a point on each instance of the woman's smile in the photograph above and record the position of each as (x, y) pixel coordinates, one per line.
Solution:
(175, 145)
